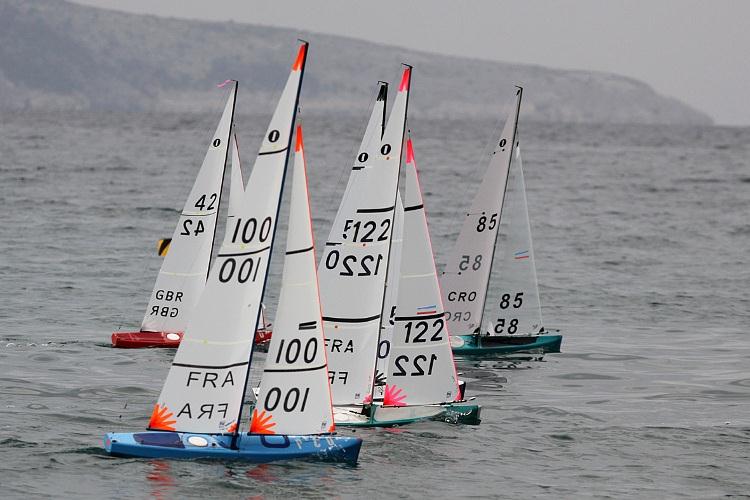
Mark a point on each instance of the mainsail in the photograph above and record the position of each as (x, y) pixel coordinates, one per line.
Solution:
(466, 275)
(204, 389)
(421, 369)
(355, 263)
(518, 310)
(294, 396)
(182, 276)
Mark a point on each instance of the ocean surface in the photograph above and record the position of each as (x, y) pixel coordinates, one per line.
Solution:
(642, 241)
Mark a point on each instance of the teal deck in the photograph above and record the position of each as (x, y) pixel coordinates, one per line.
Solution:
(473, 345)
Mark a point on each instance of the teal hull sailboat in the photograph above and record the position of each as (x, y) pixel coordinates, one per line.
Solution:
(498, 218)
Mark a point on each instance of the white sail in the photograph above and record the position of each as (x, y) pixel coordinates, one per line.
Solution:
(183, 273)
(467, 272)
(294, 396)
(420, 367)
(518, 310)
(391, 296)
(373, 133)
(236, 186)
(355, 263)
(204, 388)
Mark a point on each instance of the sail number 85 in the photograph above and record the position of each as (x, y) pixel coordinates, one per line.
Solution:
(482, 223)
(466, 262)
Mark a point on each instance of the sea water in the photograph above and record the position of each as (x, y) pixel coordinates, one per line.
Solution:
(642, 242)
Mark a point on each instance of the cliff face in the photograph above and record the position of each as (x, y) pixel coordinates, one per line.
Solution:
(58, 55)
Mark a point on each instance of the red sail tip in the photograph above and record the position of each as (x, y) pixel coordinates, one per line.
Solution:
(298, 144)
(405, 80)
(300, 57)
(409, 152)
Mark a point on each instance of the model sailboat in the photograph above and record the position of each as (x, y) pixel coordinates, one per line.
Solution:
(182, 276)
(500, 202)
(421, 379)
(199, 409)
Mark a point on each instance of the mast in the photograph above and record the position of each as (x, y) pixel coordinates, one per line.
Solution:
(223, 174)
(299, 64)
(500, 215)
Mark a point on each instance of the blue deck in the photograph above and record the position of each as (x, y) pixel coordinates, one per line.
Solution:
(250, 447)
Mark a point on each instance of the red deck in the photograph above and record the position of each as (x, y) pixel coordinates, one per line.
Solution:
(140, 340)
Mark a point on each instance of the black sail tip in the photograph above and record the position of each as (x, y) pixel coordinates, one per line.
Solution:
(303, 41)
(407, 65)
(383, 92)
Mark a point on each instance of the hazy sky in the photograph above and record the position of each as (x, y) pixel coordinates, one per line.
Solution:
(697, 51)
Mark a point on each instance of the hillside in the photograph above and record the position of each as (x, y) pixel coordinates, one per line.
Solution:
(58, 55)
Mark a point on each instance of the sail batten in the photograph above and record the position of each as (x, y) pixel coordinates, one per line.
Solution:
(220, 332)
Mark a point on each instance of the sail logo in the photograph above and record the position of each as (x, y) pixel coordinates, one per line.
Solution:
(427, 310)
(166, 311)
(338, 345)
(524, 254)
(462, 296)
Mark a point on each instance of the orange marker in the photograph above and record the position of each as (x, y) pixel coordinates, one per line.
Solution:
(409, 152)
(405, 80)
(298, 145)
(300, 57)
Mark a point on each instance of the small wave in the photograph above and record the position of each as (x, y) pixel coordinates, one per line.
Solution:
(586, 376)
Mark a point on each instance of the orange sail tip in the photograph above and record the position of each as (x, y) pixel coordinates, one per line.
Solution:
(405, 80)
(409, 152)
(161, 419)
(261, 423)
(300, 57)
(298, 145)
